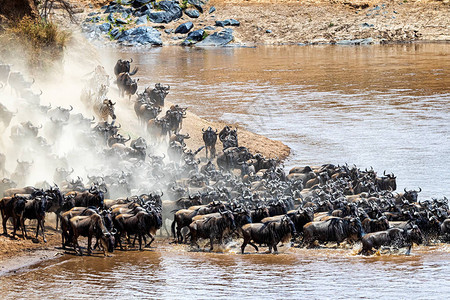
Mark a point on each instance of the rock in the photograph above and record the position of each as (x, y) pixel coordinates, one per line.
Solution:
(115, 33)
(141, 20)
(114, 8)
(125, 15)
(367, 25)
(105, 27)
(110, 18)
(234, 22)
(367, 41)
(92, 14)
(198, 4)
(96, 19)
(217, 39)
(171, 12)
(192, 13)
(184, 28)
(212, 9)
(121, 21)
(268, 31)
(141, 36)
(168, 31)
(196, 35)
(139, 3)
(209, 28)
(222, 23)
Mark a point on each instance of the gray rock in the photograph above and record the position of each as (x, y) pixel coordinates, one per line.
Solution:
(367, 25)
(168, 31)
(110, 18)
(184, 28)
(121, 21)
(141, 20)
(125, 15)
(115, 33)
(105, 27)
(223, 23)
(139, 3)
(198, 4)
(268, 31)
(196, 35)
(193, 13)
(217, 39)
(367, 41)
(209, 28)
(171, 12)
(92, 14)
(141, 36)
(234, 22)
(212, 9)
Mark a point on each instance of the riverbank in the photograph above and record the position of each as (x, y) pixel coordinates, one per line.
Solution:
(271, 22)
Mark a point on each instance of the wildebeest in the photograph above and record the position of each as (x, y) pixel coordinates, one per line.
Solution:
(12, 207)
(142, 223)
(35, 209)
(392, 237)
(387, 182)
(269, 233)
(105, 109)
(4, 73)
(210, 139)
(5, 115)
(157, 94)
(92, 197)
(91, 226)
(60, 113)
(370, 225)
(146, 112)
(3, 165)
(212, 227)
(123, 66)
(126, 85)
(300, 217)
(65, 217)
(332, 230)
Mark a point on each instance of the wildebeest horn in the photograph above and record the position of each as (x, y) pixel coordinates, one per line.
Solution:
(113, 103)
(131, 59)
(114, 231)
(384, 173)
(203, 129)
(129, 138)
(1, 85)
(71, 108)
(71, 171)
(39, 127)
(81, 179)
(405, 190)
(18, 161)
(33, 81)
(419, 190)
(93, 118)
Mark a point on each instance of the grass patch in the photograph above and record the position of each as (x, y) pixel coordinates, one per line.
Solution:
(40, 42)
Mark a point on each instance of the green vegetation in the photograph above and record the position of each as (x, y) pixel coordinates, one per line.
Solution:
(40, 42)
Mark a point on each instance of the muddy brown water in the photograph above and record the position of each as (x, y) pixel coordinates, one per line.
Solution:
(381, 106)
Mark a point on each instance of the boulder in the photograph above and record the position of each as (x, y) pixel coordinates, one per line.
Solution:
(171, 11)
(209, 28)
(110, 18)
(192, 13)
(144, 35)
(217, 39)
(105, 27)
(139, 3)
(196, 35)
(141, 20)
(198, 4)
(121, 21)
(234, 22)
(222, 23)
(212, 9)
(184, 28)
(115, 33)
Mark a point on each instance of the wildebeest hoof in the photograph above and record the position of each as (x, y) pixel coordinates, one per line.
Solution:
(35, 240)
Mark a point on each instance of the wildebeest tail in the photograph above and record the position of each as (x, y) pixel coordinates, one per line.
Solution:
(198, 150)
(134, 71)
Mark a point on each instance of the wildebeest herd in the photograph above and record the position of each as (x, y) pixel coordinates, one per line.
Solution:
(138, 185)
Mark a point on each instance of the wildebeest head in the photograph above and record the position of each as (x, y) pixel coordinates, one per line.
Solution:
(411, 195)
(123, 66)
(229, 219)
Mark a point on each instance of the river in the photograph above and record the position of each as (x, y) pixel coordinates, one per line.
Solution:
(385, 106)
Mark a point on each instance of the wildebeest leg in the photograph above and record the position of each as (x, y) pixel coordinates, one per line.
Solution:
(275, 249)
(211, 240)
(24, 230)
(4, 220)
(75, 245)
(254, 246)
(408, 252)
(151, 241)
(41, 222)
(89, 244)
(140, 241)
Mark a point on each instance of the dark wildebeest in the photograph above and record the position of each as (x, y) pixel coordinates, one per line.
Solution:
(411, 195)
(117, 139)
(386, 182)
(212, 227)
(392, 237)
(370, 225)
(35, 210)
(105, 109)
(142, 223)
(270, 233)
(332, 230)
(65, 217)
(299, 217)
(179, 138)
(123, 66)
(12, 207)
(126, 85)
(259, 213)
(183, 217)
(147, 112)
(6, 184)
(93, 197)
(157, 94)
(210, 139)
(90, 226)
